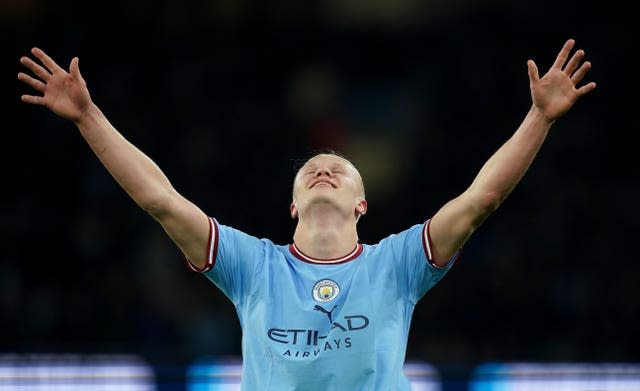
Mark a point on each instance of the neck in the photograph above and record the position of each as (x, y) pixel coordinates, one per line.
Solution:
(322, 234)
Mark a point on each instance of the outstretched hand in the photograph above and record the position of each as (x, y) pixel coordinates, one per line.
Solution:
(556, 92)
(64, 93)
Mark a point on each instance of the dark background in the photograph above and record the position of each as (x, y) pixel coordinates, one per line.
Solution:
(227, 96)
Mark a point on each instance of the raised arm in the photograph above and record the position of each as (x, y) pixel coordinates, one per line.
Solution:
(66, 94)
(552, 96)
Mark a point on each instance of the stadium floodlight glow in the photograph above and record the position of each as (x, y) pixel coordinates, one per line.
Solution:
(527, 376)
(70, 372)
(224, 374)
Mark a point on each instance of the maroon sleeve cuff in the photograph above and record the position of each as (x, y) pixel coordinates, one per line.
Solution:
(212, 250)
(428, 246)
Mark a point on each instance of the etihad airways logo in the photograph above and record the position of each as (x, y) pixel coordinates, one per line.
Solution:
(302, 342)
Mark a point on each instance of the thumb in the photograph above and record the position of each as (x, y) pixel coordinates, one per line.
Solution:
(532, 70)
(74, 69)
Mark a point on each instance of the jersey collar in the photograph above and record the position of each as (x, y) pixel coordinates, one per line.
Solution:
(303, 257)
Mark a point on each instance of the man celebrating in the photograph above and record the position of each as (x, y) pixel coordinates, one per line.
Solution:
(324, 312)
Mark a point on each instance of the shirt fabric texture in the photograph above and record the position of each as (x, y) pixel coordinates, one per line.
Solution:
(331, 326)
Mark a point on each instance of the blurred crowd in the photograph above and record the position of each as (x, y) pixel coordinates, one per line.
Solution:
(229, 96)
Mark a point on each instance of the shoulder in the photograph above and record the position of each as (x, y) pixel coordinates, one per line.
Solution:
(415, 231)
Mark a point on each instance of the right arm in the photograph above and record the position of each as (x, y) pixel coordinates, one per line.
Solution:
(66, 94)
(552, 95)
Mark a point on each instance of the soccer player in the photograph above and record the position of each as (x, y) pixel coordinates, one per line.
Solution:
(324, 312)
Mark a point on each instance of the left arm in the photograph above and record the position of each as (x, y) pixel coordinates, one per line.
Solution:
(552, 96)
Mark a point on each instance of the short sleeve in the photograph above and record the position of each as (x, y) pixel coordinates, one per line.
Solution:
(234, 258)
(409, 253)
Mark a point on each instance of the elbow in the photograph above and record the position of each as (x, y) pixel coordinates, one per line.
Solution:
(488, 202)
(157, 205)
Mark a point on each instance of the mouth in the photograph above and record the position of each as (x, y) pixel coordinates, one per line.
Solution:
(323, 184)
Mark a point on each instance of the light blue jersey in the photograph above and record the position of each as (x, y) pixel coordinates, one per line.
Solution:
(337, 325)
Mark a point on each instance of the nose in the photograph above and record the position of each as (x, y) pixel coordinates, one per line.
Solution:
(323, 171)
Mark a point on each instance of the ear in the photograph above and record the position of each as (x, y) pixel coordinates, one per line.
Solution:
(361, 208)
(293, 210)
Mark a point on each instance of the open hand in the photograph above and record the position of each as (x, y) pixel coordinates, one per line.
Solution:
(556, 92)
(64, 93)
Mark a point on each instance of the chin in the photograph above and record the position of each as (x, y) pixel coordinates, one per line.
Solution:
(325, 200)
(322, 199)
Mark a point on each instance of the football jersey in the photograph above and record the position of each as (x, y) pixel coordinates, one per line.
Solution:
(339, 324)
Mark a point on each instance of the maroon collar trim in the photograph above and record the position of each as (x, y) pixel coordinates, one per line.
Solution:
(303, 257)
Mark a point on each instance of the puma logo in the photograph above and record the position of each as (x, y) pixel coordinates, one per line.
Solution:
(329, 313)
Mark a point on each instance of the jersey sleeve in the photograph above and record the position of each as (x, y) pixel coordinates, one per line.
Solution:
(234, 259)
(413, 262)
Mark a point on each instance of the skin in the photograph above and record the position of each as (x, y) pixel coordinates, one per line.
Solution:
(327, 213)
(328, 200)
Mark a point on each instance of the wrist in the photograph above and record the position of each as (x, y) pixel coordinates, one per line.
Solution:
(89, 114)
(537, 114)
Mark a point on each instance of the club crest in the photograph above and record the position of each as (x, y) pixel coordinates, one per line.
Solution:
(325, 290)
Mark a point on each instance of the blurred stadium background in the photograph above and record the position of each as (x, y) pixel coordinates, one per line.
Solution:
(227, 95)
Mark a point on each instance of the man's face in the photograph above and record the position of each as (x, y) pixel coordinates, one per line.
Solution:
(331, 180)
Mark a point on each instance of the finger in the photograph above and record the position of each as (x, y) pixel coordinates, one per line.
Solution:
(573, 62)
(74, 68)
(46, 60)
(532, 70)
(579, 74)
(34, 83)
(564, 54)
(35, 68)
(32, 99)
(585, 89)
